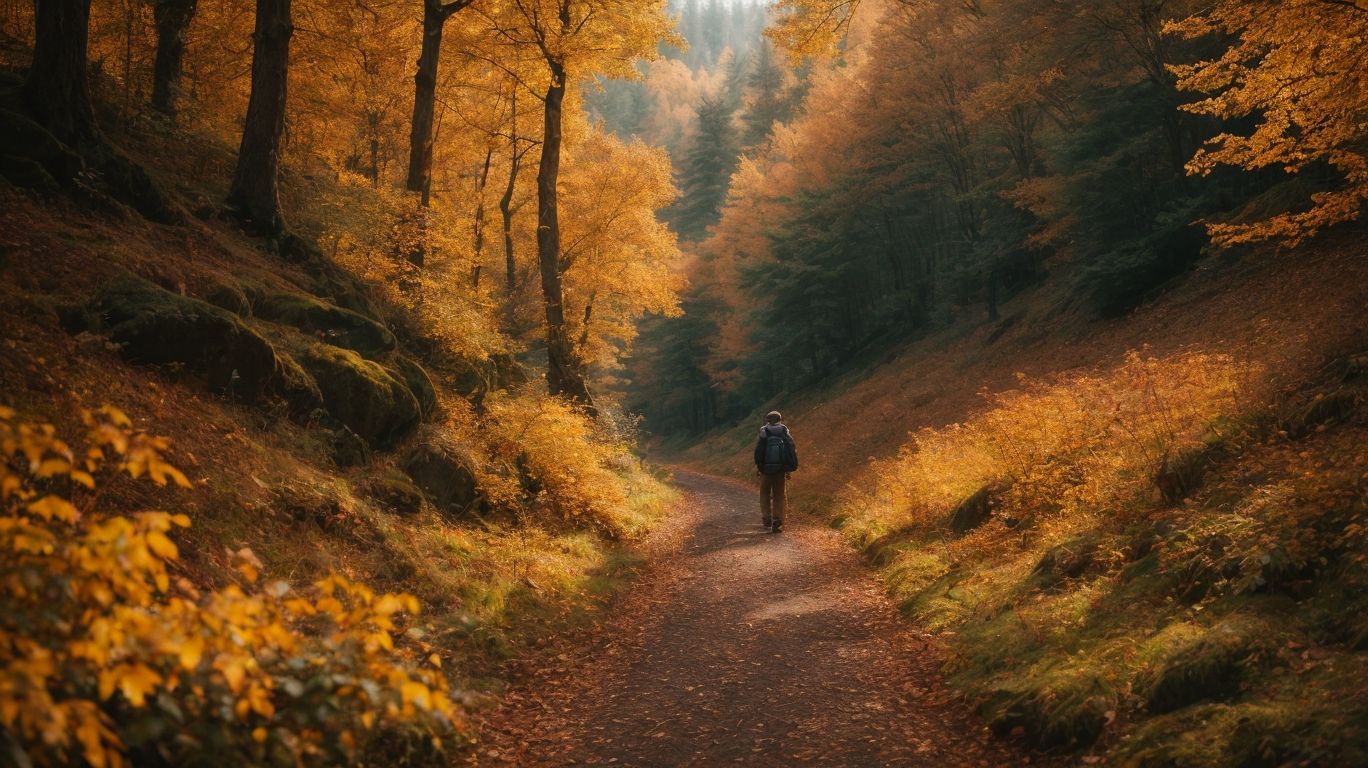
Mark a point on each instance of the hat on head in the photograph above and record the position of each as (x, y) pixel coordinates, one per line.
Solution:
(774, 417)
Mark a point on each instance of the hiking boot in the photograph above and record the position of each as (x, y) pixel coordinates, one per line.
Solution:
(776, 526)
(767, 523)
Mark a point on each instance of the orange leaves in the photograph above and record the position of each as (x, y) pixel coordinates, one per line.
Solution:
(134, 681)
(1077, 445)
(1296, 67)
(86, 621)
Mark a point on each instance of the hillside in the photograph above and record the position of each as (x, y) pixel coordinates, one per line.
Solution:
(323, 430)
(1138, 539)
(334, 338)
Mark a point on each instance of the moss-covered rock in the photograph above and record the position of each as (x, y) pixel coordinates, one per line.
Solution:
(157, 327)
(420, 384)
(34, 158)
(395, 490)
(1055, 709)
(1209, 668)
(471, 377)
(326, 322)
(303, 400)
(444, 469)
(226, 294)
(360, 393)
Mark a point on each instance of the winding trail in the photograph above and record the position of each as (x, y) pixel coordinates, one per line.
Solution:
(741, 647)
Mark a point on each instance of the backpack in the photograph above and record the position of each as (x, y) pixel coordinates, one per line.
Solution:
(780, 455)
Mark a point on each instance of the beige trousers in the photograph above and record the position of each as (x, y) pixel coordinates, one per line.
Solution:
(772, 498)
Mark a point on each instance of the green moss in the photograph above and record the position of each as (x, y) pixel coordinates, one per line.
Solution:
(297, 388)
(155, 326)
(326, 322)
(420, 384)
(1211, 666)
(359, 393)
(1057, 707)
(228, 295)
(395, 490)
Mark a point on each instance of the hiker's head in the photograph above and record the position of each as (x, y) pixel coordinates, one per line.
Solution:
(774, 417)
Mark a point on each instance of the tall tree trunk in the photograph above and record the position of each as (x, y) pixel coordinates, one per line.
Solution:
(435, 14)
(425, 99)
(563, 372)
(173, 21)
(255, 191)
(506, 211)
(56, 90)
(479, 225)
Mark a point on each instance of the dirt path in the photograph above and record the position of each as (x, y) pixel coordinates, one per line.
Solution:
(742, 647)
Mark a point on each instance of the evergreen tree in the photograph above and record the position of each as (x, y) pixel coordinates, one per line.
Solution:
(767, 102)
(707, 169)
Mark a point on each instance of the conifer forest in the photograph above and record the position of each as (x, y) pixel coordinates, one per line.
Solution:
(684, 383)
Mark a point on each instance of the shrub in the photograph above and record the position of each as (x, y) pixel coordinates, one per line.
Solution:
(104, 659)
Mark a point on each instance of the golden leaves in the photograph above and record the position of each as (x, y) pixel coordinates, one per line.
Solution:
(86, 616)
(1297, 68)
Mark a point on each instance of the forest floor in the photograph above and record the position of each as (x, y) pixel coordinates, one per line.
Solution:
(739, 646)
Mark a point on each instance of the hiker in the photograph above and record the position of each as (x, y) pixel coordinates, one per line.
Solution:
(775, 457)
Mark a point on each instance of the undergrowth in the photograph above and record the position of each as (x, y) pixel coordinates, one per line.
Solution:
(1147, 561)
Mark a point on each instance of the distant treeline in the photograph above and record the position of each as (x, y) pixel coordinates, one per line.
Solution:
(952, 155)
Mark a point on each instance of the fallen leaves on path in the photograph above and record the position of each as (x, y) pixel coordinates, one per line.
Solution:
(746, 648)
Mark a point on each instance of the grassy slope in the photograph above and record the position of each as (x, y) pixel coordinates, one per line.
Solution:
(488, 585)
(1225, 630)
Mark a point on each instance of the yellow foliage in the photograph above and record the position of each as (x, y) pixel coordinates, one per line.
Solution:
(1082, 444)
(574, 468)
(98, 655)
(1298, 68)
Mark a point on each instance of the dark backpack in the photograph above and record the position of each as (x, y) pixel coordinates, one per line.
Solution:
(780, 455)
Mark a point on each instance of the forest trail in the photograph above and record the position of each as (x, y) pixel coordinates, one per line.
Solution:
(741, 647)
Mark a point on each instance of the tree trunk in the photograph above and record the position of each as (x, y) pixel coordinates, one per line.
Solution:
(479, 225)
(173, 21)
(255, 192)
(563, 374)
(425, 99)
(506, 211)
(56, 90)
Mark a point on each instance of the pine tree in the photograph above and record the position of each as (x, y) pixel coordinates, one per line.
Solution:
(707, 169)
(767, 102)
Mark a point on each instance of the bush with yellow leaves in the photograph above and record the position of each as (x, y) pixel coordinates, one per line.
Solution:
(1085, 443)
(104, 660)
(573, 466)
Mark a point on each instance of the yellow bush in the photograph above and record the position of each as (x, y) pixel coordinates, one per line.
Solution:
(1081, 443)
(572, 467)
(103, 658)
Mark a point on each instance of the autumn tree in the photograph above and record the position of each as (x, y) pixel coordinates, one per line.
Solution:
(617, 258)
(254, 195)
(571, 39)
(1297, 68)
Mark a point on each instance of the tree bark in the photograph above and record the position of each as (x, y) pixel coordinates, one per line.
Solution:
(435, 14)
(255, 191)
(173, 21)
(564, 376)
(479, 224)
(56, 90)
(506, 212)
